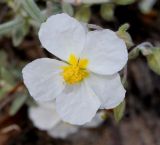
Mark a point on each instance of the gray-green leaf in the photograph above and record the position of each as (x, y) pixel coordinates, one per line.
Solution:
(119, 112)
(123, 34)
(33, 10)
(67, 8)
(17, 104)
(154, 60)
(19, 33)
(107, 11)
(10, 26)
(83, 14)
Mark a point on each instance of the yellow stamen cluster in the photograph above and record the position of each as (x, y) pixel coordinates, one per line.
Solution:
(76, 71)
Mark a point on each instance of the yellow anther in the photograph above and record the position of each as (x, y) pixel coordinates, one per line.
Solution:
(76, 71)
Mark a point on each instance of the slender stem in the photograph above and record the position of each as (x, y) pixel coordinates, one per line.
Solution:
(125, 73)
(92, 26)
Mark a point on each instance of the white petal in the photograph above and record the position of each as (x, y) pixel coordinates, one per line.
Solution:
(44, 118)
(96, 121)
(62, 35)
(42, 78)
(85, 27)
(107, 53)
(146, 5)
(48, 105)
(77, 104)
(109, 89)
(62, 130)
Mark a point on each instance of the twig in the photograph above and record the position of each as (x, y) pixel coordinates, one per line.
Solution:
(8, 97)
(10, 128)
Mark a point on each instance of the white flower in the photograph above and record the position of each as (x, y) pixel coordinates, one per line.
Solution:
(146, 5)
(86, 1)
(87, 79)
(45, 117)
(96, 121)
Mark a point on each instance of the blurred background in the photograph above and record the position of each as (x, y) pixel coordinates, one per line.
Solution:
(19, 44)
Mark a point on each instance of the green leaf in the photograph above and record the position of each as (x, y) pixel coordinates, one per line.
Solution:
(123, 34)
(83, 13)
(10, 26)
(17, 37)
(17, 104)
(6, 75)
(67, 8)
(19, 33)
(154, 60)
(104, 116)
(134, 53)
(14, 5)
(107, 11)
(53, 8)
(119, 112)
(124, 28)
(31, 102)
(124, 2)
(56, 8)
(3, 59)
(4, 88)
(146, 48)
(33, 10)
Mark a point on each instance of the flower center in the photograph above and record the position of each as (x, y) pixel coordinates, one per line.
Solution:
(76, 70)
